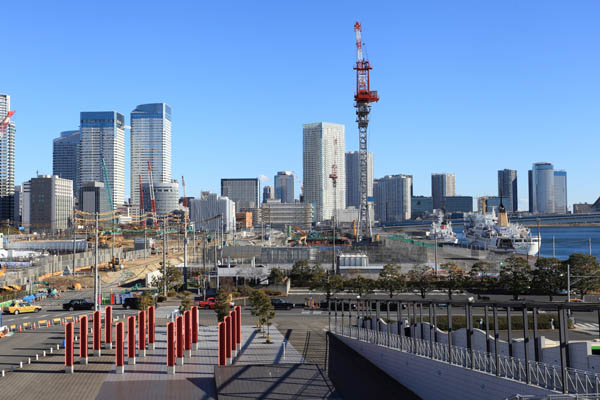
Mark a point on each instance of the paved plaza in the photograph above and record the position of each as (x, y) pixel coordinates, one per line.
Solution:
(148, 378)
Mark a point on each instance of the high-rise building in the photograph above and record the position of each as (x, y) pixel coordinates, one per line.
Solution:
(560, 191)
(93, 198)
(65, 157)
(26, 213)
(507, 187)
(18, 206)
(209, 205)
(353, 178)
(7, 161)
(284, 186)
(51, 203)
(530, 187)
(542, 188)
(166, 197)
(268, 193)
(150, 141)
(393, 198)
(442, 185)
(244, 192)
(103, 137)
(323, 146)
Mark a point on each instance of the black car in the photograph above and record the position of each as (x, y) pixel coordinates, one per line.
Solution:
(280, 304)
(78, 304)
(131, 302)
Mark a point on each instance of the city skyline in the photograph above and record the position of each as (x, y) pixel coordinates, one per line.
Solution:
(459, 64)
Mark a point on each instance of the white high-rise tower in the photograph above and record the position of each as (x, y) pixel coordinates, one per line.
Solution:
(150, 141)
(103, 137)
(323, 146)
(7, 161)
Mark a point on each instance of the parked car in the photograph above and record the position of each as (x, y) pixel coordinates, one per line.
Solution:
(78, 304)
(281, 304)
(209, 303)
(131, 302)
(19, 308)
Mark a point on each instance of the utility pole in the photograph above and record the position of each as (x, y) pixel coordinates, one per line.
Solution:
(74, 249)
(96, 276)
(145, 242)
(539, 240)
(165, 243)
(185, 271)
(436, 258)
(568, 283)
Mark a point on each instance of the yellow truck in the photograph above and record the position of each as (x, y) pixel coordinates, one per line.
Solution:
(19, 308)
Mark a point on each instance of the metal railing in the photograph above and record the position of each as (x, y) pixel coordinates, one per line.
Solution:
(534, 373)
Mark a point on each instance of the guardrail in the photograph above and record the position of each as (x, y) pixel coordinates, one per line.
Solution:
(530, 372)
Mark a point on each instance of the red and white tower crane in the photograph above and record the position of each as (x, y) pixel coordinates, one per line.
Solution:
(143, 219)
(5, 121)
(362, 98)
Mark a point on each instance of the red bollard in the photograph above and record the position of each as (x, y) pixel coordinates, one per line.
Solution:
(222, 359)
(228, 339)
(234, 330)
(120, 353)
(108, 327)
(180, 344)
(69, 347)
(171, 348)
(238, 311)
(83, 343)
(151, 326)
(142, 333)
(187, 317)
(131, 340)
(97, 333)
(195, 327)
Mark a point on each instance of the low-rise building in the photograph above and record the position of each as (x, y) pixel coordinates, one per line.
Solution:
(281, 215)
(211, 213)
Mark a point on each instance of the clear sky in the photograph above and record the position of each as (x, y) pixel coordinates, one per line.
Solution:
(466, 86)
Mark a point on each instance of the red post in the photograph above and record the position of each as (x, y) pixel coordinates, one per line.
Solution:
(108, 327)
(97, 333)
(195, 326)
(151, 326)
(142, 333)
(120, 353)
(187, 316)
(131, 340)
(239, 326)
(83, 343)
(112, 298)
(228, 338)
(221, 344)
(232, 315)
(180, 344)
(171, 348)
(69, 347)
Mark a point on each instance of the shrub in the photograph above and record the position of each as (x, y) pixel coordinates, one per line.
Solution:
(171, 293)
(160, 298)
(245, 290)
(271, 292)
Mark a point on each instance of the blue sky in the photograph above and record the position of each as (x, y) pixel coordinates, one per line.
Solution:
(466, 86)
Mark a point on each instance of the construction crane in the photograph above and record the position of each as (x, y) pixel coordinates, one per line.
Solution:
(363, 97)
(185, 199)
(107, 186)
(5, 121)
(151, 190)
(142, 202)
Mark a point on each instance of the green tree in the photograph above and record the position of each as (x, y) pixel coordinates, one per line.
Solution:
(262, 309)
(516, 276)
(455, 280)
(549, 276)
(421, 279)
(391, 279)
(277, 276)
(585, 272)
(222, 305)
(359, 285)
(186, 304)
(302, 273)
(174, 279)
(328, 282)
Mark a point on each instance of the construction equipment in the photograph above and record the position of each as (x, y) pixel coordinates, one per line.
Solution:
(5, 121)
(142, 203)
(151, 190)
(363, 97)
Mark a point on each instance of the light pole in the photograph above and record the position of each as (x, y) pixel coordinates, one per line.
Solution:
(165, 256)
(96, 276)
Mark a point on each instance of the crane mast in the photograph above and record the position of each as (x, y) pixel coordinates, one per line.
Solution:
(5, 121)
(142, 202)
(363, 97)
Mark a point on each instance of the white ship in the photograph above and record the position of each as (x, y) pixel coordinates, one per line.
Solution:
(495, 232)
(441, 230)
